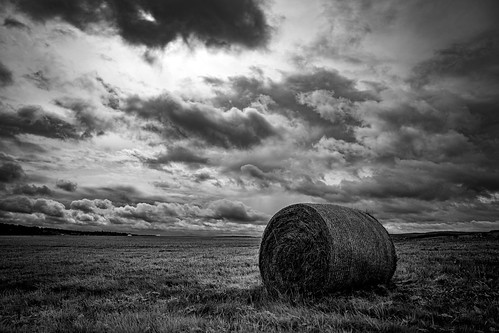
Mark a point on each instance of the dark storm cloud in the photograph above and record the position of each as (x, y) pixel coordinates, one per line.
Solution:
(446, 215)
(5, 76)
(33, 119)
(458, 130)
(178, 154)
(421, 180)
(232, 128)
(325, 79)
(421, 146)
(243, 91)
(10, 169)
(118, 195)
(317, 188)
(283, 97)
(11, 22)
(470, 178)
(253, 171)
(66, 185)
(32, 190)
(263, 179)
(201, 177)
(428, 113)
(427, 125)
(112, 99)
(486, 134)
(455, 95)
(86, 114)
(475, 59)
(154, 24)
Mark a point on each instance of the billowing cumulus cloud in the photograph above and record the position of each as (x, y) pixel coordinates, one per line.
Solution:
(156, 216)
(172, 213)
(235, 211)
(215, 23)
(49, 207)
(32, 189)
(159, 212)
(87, 206)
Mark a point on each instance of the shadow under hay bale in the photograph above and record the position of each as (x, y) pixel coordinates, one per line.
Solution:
(312, 249)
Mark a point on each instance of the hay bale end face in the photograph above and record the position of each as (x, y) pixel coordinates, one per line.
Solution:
(319, 248)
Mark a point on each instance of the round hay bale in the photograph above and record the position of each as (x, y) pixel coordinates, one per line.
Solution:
(319, 248)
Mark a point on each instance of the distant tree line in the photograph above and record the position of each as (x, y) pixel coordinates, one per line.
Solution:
(15, 229)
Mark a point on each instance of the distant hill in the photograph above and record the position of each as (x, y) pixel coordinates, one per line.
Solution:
(15, 229)
(455, 234)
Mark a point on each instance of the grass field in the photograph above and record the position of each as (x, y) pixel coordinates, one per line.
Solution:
(161, 284)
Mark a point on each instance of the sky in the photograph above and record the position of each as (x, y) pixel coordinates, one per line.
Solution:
(199, 117)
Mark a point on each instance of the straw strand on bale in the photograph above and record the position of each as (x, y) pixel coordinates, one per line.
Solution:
(318, 248)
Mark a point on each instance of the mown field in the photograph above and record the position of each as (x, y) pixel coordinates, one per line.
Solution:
(160, 284)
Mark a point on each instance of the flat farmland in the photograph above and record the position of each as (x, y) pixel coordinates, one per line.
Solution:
(190, 284)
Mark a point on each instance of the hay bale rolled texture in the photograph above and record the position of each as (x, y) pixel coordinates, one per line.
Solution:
(318, 248)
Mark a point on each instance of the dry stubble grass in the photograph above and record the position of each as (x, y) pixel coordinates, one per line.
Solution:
(120, 284)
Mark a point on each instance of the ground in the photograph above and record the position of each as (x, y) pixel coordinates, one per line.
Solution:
(165, 284)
